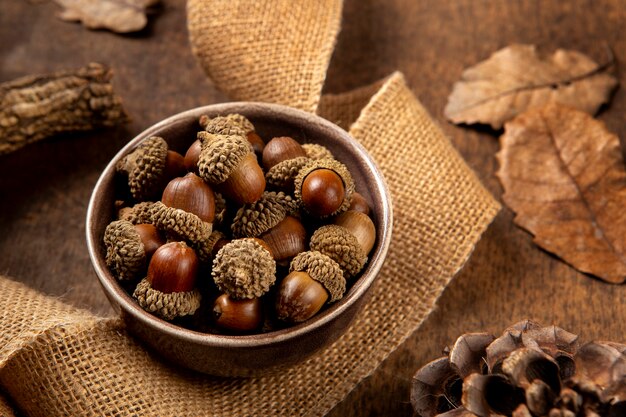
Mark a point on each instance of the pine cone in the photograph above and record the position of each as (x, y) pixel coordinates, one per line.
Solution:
(529, 371)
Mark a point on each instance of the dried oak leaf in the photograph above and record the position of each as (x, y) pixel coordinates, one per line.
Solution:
(564, 177)
(517, 78)
(121, 16)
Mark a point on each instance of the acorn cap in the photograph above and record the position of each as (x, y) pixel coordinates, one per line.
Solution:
(244, 269)
(145, 167)
(241, 121)
(315, 151)
(323, 270)
(180, 223)
(257, 218)
(283, 173)
(220, 156)
(222, 125)
(140, 213)
(167, 306)
(204, 248)
(341, 246)
(333, 165)
(126, 256)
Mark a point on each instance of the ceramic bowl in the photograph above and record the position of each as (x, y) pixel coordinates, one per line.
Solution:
(259, 353)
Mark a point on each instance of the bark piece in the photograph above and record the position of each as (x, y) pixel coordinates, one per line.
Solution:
(121, 16)
(564, 177)
(35, 107)
(518, 77)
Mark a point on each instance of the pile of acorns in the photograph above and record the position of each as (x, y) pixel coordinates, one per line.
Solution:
(249, 247)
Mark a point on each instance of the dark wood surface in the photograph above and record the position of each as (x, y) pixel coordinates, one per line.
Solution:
(44, 188)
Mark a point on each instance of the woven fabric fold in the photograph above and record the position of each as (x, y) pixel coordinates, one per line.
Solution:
(271, 51)
(57, 360)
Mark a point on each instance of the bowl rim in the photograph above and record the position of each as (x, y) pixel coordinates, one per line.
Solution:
(357, 290)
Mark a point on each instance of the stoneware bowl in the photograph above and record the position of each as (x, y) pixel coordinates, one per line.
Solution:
(251, 354)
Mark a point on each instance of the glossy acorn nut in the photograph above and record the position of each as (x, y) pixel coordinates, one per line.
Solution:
(258, 144)
(361, 227)
(191, 194)
(237, 315)
(150, 237)
(286, 239)
(228, 163)
(322, 192)
(314, 280)
(173, 268)
(192, 156)
(281, 149)
(300, 297)
(324, 188)
(359, 203)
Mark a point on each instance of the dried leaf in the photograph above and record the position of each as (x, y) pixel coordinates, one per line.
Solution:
(120, 16)
(517, 78)
(563, 174)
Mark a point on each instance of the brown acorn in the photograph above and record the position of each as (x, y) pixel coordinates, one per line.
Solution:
(361, 227)
(286, 239)
(192, 156)
(281, 149)
(173, 268)
(150, 237)
(246, 183)
(191, 194)
(359, 203)
(237, 315)
(300, 297)
(257, 143)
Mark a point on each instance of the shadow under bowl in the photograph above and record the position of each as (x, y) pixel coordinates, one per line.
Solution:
(247, 355)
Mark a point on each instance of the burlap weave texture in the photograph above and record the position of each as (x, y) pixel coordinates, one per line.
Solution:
(56, 360)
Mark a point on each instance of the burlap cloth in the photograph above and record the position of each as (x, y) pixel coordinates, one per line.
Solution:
(57, 360)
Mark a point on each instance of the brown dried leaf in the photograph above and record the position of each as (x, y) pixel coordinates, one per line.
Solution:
(120, 16)
(564, 177)
(517, 78)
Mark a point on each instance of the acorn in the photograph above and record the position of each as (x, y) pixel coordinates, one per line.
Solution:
(150, 237)
(125, 252)
(286, 239)
(168, 290)
(244, 268)
(269, 219)
(234, 124)
(359, 203)
(317, 151)
(347, 242)
(237, 315)
(324, 188)
(192, 156)
(191, 194)
(149, 167)
(229, 164)
(173, 268)
(314, 280)
(283, 158)
(281, 149)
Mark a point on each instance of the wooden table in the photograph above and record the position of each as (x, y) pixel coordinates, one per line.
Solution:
(44, 188)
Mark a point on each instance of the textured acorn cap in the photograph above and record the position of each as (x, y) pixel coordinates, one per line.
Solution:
(241, 121)
(140, 213)
(223, 125)
(315, 151)
(167, 306)
(182, 224)
(323, 270)
(244, 269)
(333, 165)
(126, 256)
(256, 218)
(220, 155)
(204, 248)
(145, 167)
(283, 173)
(341, 246)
